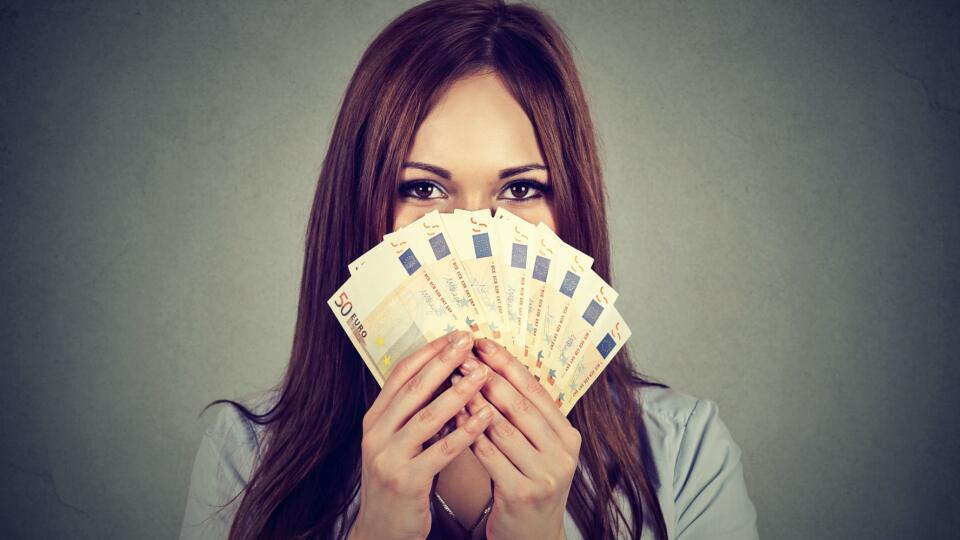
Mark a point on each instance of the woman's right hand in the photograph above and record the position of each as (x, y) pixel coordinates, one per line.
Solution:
(397, 471)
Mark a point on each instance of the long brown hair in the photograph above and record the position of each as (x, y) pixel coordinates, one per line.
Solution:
(310, 465)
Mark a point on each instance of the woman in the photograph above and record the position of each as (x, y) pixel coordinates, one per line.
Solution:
(470, 105)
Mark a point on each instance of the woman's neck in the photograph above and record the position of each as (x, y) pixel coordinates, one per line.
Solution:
(465, 487)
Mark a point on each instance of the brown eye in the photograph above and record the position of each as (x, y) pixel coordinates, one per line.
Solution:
(421, 190)
(519, 191)
(524, 190)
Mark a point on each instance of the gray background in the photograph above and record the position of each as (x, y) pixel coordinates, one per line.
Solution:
(784, 218)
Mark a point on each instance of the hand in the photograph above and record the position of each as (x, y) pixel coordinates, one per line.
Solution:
(530, 450)
(397, 470)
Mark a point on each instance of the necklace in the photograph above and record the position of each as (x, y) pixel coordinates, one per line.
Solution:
(468, 532)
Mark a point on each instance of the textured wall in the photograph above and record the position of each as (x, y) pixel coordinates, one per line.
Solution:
(784, 214)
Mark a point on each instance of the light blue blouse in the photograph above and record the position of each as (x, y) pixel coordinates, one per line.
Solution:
(699, 482)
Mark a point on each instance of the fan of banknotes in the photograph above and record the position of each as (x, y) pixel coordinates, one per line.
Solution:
(499, 277)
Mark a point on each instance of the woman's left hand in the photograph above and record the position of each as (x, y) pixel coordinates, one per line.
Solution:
(530, 450)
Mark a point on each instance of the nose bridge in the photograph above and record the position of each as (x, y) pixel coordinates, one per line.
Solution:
(485, 204)
(476, 196)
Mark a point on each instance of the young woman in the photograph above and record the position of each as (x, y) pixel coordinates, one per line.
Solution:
(460, 104)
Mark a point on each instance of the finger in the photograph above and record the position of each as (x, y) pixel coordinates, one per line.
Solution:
(429, 419)
(462, 415)
(521, 412)
(508, 367)
(419, 388)
(501, 470)
(407, 368)
(508, 439)
(433, 459)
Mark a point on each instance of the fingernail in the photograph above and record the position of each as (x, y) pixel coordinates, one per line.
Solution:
(461, 340)
(487, 345)
(478, 374)
(454, 378)
(469, 364)
(485, 412)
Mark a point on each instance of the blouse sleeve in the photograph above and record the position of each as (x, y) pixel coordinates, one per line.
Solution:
(220, 471)
(711, 496)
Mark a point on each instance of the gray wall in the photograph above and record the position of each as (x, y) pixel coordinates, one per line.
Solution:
(784, 215)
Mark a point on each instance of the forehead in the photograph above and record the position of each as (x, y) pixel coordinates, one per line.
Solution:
(476, 125)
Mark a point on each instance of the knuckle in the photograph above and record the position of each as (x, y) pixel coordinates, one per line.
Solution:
(426, 415)
(447, 447)
(448, 354)
(393, 479)
(379, 468)
(549, 486)
(522, 404)
(470, 429)
(399, 371)
(524, 495)
(540, 493)
(414, 384)
(504, 429)
(460, 388)
(485, 449)
(533, 386)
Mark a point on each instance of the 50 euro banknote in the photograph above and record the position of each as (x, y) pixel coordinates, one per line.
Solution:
(497, 276)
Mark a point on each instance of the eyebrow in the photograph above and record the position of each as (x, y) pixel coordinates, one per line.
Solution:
(445, 174)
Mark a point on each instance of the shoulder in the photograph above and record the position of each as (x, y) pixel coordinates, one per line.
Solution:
(228, 453)
(666, 403)
(236, 434)
(681, 422)
(698, 463)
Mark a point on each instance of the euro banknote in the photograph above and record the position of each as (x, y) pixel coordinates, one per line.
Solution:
(495, 275)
